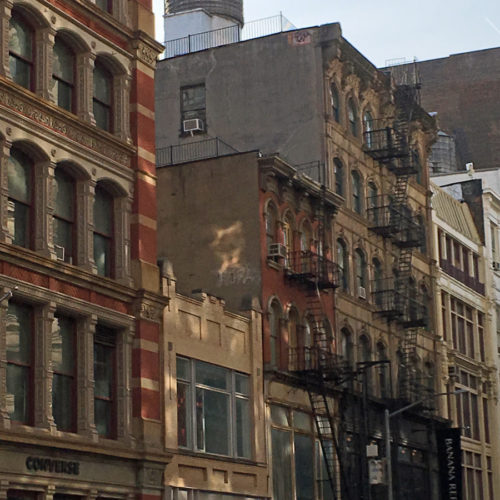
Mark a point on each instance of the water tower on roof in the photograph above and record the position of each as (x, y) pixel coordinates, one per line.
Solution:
(230, 9)
(196, 19)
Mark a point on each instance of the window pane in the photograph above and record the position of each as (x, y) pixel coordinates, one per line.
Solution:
(102, 255)
(280, 416)
(183, 368)
(63, 237)
(102, 115)
(103, 212)
(18, 334)
(17, 392)
(103, 370)
(213, 421)
(63, 94)
(19, 176)
(243, 446)
(301, 420)
(20, 38)
(212, 375)
(193, 98)
(20, 71)
(62, 402)
(241, 383)
(183, 415)
(65, 195)
(63, 62)
(104, 5)
(18, 223)
(102, 416)
(282, 465)
(63, 353)
(102, 85)
(304, 479)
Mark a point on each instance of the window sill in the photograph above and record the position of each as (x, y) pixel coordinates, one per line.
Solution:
(213, 456)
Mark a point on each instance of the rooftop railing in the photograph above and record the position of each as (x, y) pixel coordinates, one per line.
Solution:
(226, 36)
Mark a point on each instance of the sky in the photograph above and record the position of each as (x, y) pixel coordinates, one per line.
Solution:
(389, 29)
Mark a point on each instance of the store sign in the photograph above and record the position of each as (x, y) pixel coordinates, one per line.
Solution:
(450, 463)
(41, 464)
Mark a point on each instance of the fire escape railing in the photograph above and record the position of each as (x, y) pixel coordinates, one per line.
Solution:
(311, 268)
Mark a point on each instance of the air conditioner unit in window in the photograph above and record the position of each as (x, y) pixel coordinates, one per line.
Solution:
(193, 125)
(495, 265)
(276, 250)
(59, 252)
(362, 292)
(452, 371)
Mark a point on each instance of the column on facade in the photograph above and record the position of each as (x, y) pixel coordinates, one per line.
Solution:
(121, 102)
(45, 206)
(5, 15)
(5, 233)
(122, 208)
(85, 191)
(84, 86)
(44, 47)
(44, 325)
(4, 413)
(85, 376)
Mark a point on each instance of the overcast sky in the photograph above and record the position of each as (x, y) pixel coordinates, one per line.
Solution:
(389, 29)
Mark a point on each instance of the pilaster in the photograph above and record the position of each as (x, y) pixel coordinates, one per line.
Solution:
(44, 45)
(5, 15)
(4, 414)
(44, 208)
(84, 86)
(5, 233)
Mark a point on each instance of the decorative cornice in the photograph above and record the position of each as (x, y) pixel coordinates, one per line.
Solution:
(44, 115)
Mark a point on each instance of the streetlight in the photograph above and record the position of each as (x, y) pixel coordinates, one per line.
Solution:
(387, 417)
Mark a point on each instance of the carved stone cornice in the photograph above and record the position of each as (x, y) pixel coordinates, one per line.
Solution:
(146, 49)
(50, 117)
(150, 306)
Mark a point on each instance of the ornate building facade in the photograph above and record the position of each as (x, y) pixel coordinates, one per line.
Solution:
(80, 399)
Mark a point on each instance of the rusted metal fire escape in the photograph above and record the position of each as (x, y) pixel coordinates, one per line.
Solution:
(319, 369)
(397, 297)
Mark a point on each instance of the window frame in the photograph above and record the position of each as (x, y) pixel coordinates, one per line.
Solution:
(73, 376)
(352, 117)
(72, 258)
(233, 396)
(339, 171)
(108, 107)
(59, 80)
(99, 339)
(343, 263)
(109, 239)
(357, 192)
(335, 102)
(21, 19)
(197, 112)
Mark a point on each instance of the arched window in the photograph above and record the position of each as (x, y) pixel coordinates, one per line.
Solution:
(64, 216)
(103, 231)
(346, 345)
(352, 117)
(368, 128)
(271, 224)
(360, 268)
(63, 76)
(364, 351)
(383, 371)
(103, 96)
(334, 95)
(306, 237)
(339, 177)
(274, 332)
(372, 195)
(21, 51)
(377, 281)
(357, 192)
(343, 263)
(20, 201)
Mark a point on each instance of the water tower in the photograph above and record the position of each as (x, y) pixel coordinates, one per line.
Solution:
(192, 17)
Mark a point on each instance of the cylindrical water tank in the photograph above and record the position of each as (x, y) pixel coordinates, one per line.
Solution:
(233, 9)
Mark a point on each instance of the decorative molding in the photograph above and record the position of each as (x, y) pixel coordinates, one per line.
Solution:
(146, 54)
(151, 476)
(63, 127)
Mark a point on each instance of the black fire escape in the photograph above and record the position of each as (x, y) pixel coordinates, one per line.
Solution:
(397, 298)
(316, 367)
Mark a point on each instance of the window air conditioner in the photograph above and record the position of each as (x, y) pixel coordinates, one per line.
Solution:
(495, 265)
(276, 250)
(362, 292)
(452, 371)
(59, 252)
(192, 125)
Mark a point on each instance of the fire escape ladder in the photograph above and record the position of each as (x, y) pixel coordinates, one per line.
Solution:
(325, 428)
(408, 349)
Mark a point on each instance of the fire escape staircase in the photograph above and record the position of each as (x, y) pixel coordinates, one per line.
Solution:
(397, 298)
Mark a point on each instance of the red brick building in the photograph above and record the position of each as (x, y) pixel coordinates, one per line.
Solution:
(80, 370)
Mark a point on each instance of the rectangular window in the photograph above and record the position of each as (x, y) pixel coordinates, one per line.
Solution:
(105, 5)
(63, 365)
(463, 328)
(213, 409)
(19, 344)
(105, 381)
(193, 106)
